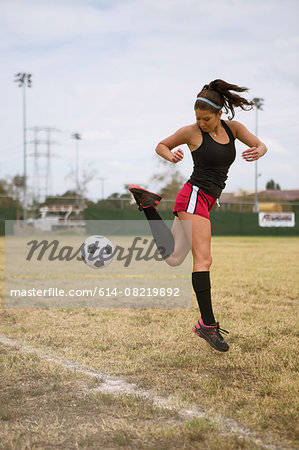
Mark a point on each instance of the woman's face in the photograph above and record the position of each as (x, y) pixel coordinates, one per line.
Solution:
(207, 120)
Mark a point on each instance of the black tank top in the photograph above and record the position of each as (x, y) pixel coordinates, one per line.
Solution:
(211, 163)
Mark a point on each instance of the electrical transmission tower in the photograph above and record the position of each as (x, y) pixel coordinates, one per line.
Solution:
(42, 175)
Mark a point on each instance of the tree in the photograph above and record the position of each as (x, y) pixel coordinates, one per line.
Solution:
(115, 201)
(272, 185)
(174, 184)
(168, 179)
(68, 198)
(88, 173)
(10, 192)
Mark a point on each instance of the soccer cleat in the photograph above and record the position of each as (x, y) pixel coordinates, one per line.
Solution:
(144, 198)
(211, 334)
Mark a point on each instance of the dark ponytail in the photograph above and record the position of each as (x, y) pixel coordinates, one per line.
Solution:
(218, 92)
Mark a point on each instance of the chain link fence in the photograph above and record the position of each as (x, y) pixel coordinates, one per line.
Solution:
(168, 205)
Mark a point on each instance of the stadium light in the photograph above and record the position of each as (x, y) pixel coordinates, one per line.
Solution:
(258, 103)
(24, 80)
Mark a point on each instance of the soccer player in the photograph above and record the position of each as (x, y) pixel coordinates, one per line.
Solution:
(211, 141)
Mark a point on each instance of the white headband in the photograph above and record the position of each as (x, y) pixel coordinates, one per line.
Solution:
(209, 102)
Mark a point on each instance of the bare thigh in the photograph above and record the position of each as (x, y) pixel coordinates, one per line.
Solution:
(201, 240)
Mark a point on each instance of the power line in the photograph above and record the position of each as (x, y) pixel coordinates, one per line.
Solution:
(19, 146)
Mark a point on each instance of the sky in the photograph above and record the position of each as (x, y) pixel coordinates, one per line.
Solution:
(124, 74)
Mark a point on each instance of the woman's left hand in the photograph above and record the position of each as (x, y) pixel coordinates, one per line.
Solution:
(253, 153)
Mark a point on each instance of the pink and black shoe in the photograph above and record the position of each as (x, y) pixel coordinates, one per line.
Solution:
(211, 334)
(144, 198)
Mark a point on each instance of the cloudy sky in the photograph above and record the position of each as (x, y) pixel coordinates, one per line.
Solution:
(125, 73)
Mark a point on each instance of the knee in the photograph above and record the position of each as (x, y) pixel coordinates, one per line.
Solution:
(173, 261)
(202, 263)
(207, 262)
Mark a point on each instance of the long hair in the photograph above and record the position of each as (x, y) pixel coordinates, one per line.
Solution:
(219, 92)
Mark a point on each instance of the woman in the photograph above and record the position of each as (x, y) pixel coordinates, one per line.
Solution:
(211, 142)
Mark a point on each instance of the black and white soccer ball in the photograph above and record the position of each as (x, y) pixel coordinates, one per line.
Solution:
(97, 251)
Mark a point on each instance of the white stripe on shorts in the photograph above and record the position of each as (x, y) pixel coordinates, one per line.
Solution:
(192, 200)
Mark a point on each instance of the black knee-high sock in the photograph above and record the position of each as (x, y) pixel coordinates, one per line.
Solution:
(202, 287)
(161, 233)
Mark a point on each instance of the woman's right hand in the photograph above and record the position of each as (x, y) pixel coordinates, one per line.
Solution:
(177, 155)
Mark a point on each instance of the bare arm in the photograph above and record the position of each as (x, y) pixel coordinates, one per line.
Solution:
(256, 149)
(164, 148)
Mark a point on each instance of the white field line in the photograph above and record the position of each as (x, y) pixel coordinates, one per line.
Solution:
(116, 385)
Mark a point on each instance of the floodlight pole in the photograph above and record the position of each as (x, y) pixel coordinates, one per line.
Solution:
(258, 102)
(22, 79)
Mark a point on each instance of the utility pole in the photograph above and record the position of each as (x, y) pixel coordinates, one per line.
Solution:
(258, 103)
(102, 179)
(24, 80)
(77, 137)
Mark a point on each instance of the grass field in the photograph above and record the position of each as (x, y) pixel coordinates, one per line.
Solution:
(255, 292)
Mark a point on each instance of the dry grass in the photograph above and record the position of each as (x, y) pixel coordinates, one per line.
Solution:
(255, 288)
(45, 406)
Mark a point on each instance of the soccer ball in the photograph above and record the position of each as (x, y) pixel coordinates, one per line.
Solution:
(97, 251)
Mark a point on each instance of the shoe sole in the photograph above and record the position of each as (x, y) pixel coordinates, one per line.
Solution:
(133, 188)
(138, 189)
(202, 336)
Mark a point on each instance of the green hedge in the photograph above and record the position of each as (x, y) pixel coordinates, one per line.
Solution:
(224, 223)
(228, 223)
(6, 213)
(120, 214)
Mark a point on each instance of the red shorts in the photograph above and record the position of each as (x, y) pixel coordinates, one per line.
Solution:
(192, 200)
